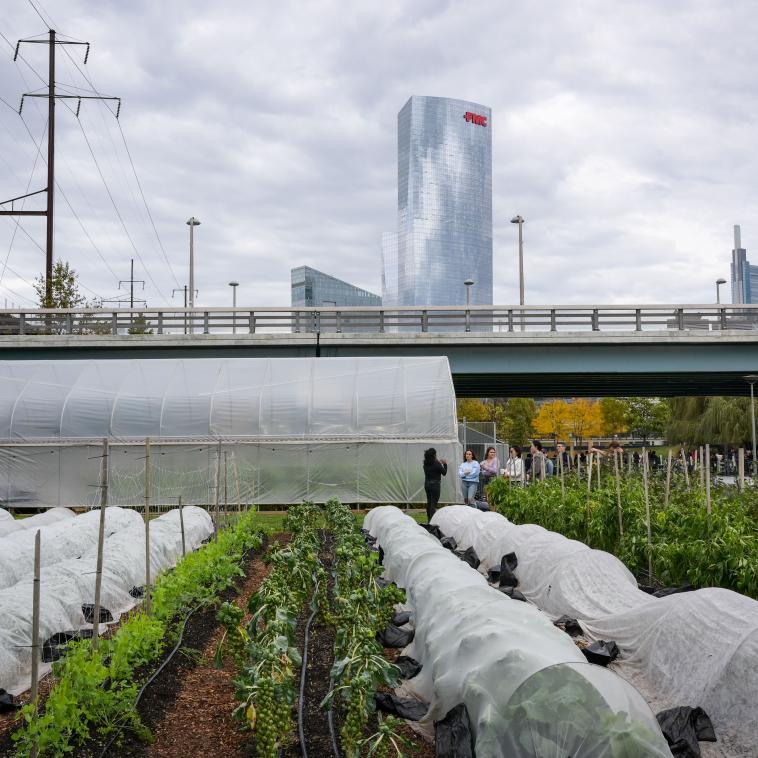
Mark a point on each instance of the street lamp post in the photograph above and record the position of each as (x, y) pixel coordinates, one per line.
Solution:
(192, 222)
(234, 286)
(469, 284)
(751, 379)
(719, 282)
(520, 221)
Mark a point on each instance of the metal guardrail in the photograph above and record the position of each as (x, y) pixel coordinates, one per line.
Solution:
(379, 320)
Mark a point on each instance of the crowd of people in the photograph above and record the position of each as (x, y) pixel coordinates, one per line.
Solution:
(538, 464)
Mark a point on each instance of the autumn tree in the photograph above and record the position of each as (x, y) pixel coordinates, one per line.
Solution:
(553, 419)
(613, 413)
(585, 418)
(473, 410)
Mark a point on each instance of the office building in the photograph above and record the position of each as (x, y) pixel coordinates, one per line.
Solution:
(444, 214)
(744, 275)
(312, 288)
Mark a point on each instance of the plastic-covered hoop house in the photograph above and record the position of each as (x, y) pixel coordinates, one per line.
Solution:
(275, 430)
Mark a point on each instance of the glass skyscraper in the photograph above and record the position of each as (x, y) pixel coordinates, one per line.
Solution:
(312, 288)
(744, 274)
(444, 223)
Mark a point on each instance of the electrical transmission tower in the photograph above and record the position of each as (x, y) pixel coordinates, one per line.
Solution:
(51, 96)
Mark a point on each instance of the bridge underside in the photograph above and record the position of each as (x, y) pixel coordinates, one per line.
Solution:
(663, 364)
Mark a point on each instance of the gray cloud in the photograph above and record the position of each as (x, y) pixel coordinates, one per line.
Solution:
(622, 133)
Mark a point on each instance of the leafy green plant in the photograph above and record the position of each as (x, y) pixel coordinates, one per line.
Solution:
(94, 691)
(688, 544)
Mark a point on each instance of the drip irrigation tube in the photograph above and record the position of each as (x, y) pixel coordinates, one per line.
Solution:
(332, 732)
(304, 670)
(155, 673)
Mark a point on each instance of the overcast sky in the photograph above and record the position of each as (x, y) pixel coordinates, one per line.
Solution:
(623, 132)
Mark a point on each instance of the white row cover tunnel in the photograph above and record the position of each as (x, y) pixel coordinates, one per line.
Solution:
(526, 686)
(696, 648)
(68, 553)
(290, 429)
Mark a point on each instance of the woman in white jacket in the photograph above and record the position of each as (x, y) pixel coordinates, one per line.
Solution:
(514, 466)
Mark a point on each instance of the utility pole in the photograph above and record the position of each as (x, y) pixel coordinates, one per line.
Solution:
(51, 96)
(131, 281)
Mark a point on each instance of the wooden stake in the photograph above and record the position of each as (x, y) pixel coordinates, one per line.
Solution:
(226, 492)
(707, 465)
(647, 515)
(237, 483)
(560, 471)
(100, 542)
(667, 494)
(617, 467)
(741, 469)
(218, 489)
(35, 620)
(147, 525)
(700, 467)
(181, 526)
(523, 469)
(589, 490)
(630, 461)
(686, 470)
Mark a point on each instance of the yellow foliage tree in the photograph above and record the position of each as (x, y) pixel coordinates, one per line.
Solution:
(473, 410)
(553, 419)
(585, 418)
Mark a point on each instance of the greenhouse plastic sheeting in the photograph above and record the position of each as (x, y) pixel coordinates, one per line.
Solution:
(51, 516)
(68, 584)
(696, 648)
(70, 538)
(292, 429)
(527, 687)
(4, 515)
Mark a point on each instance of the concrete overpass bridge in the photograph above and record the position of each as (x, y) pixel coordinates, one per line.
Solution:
(507, 351)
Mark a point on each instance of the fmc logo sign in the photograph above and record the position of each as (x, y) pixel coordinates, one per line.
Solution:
(475, 118)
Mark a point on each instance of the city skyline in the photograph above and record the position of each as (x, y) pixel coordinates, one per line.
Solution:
(625, 149)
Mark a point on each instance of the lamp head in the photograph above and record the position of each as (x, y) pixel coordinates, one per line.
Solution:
(468, 282)
(720, 281)
(751, 378)
(517, 220)
(193, 222)
(234, 284)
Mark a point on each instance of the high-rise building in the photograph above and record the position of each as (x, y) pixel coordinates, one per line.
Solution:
(312, 288)
(744, 275)
(444, 208)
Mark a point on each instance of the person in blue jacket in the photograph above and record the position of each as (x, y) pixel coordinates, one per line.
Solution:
(468, 472)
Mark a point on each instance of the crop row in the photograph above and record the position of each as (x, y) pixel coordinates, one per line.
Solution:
(94, 690)
(356, 608)
(525, 685)
(687, 544)
(689, 648)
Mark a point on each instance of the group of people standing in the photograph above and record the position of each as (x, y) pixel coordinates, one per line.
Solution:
(474, 474)
(471, 473)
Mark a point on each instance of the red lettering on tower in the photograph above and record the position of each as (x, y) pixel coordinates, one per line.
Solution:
(475, 118)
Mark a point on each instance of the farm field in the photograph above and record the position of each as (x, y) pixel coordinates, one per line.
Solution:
(283, 634)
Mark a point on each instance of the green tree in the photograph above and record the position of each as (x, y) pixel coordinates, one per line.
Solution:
(646, 416)
(140, 325)
(515, 419)
(65, 288)
(613, 413)
(700, 420)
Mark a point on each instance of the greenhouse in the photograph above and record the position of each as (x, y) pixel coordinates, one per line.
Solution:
(241, 430)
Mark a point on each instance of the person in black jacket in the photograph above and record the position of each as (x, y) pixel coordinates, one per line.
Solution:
(434, 470)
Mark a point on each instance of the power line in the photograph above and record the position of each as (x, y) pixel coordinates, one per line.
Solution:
(131, 163)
